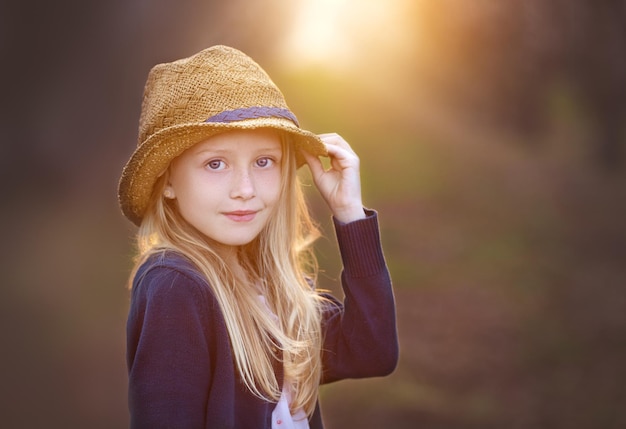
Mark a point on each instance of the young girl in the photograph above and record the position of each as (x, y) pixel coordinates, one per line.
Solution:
(226, 328)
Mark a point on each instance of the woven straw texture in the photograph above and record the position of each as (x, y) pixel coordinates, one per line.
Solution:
(180, 97)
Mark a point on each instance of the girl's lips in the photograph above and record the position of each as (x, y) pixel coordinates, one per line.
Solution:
(241, 216)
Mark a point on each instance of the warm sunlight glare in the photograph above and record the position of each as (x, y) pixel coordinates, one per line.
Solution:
(335, 34)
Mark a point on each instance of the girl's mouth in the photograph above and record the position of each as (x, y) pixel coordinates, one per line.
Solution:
(241, 215)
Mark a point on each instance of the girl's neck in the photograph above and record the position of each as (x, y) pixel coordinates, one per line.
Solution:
(229, 254)
(231, 257)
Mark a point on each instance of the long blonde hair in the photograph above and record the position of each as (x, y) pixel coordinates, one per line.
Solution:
(281, 260)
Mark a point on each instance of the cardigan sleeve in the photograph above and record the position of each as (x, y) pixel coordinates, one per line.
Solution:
(360, 334)
(168, 357)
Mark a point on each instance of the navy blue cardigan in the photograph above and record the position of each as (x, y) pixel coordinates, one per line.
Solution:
(181, 370)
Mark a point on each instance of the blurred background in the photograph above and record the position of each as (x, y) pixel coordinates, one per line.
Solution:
(492, 137)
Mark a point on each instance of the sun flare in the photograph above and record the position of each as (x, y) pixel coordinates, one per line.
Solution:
(335, 34)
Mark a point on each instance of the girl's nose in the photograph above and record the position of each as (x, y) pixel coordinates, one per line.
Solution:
(243, 185)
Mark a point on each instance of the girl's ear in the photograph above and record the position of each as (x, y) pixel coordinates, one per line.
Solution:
(168, 192)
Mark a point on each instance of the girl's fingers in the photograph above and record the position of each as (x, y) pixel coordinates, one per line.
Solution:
(335, 140)
(339, 151)
(314, 163)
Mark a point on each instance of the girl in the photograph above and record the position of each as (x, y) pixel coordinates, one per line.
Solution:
(226, 328)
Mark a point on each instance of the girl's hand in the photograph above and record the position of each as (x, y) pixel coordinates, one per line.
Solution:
(340, 185)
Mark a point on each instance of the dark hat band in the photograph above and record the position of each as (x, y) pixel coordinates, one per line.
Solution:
(252, 113)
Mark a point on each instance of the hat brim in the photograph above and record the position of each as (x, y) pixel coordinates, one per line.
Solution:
(153, 157)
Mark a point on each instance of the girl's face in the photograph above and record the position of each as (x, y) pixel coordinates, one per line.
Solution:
(227, 186)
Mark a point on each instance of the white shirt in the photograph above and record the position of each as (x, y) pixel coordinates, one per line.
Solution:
(281, 416)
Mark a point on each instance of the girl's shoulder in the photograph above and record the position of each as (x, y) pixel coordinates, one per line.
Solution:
(169, 297)
(168, 272)
(166, 261)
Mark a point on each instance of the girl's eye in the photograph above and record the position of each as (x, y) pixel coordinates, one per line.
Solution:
(264, 162)
(215, 164)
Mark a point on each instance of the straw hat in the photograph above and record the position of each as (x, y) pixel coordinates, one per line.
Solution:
(189, 100)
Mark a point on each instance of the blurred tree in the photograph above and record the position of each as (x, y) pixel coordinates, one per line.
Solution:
(598, 51)
(499, 62)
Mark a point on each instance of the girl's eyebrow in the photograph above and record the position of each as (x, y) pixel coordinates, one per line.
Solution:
(270, 149)
(210, 150)
(221, 151)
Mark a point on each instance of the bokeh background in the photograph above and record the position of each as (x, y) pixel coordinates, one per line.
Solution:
(492, 141)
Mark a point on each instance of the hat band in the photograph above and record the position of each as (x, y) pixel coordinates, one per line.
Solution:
(252, 113)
